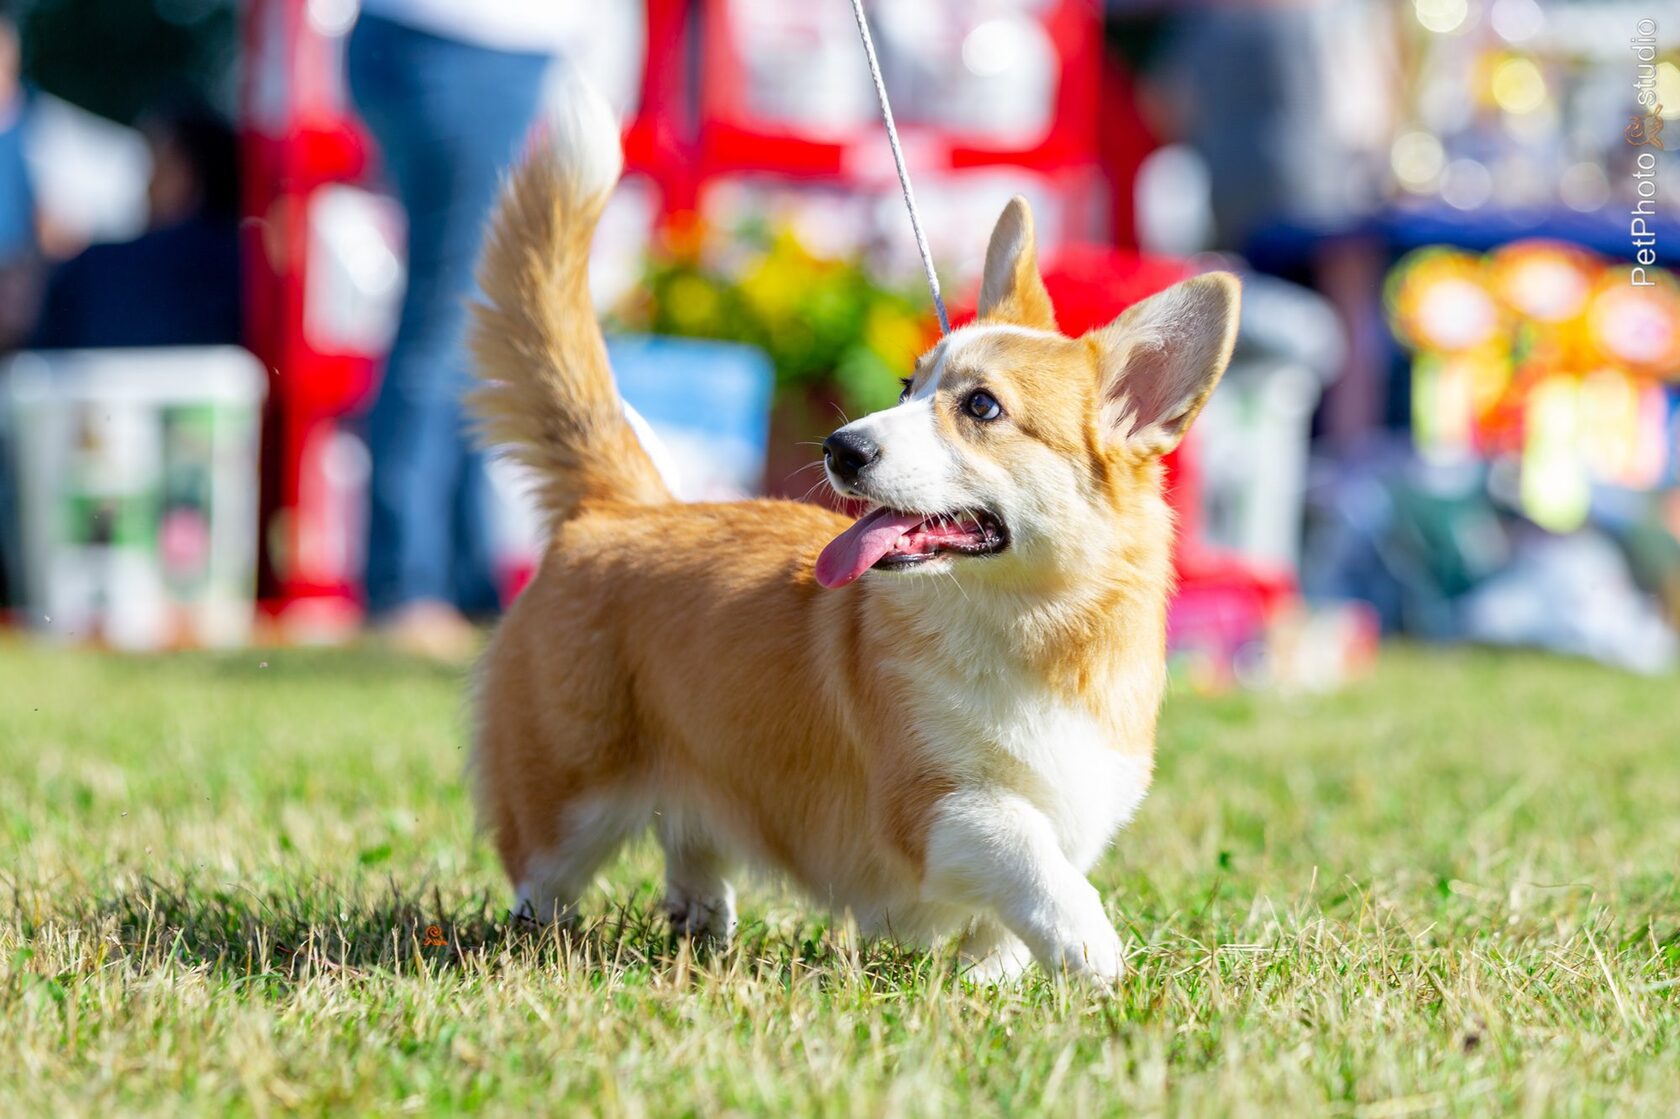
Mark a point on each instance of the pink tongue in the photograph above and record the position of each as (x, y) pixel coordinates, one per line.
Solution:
(860, 547)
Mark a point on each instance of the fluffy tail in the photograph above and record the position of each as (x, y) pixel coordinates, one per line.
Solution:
(546, 393)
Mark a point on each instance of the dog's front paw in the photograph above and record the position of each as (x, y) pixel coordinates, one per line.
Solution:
(1097, 957)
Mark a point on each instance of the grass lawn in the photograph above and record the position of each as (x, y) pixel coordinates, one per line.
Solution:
(1451, 889)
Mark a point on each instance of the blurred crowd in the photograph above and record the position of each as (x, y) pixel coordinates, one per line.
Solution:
(175, 283)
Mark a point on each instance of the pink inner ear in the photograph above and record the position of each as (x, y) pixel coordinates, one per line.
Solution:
(1148, 392)
(1161, 359)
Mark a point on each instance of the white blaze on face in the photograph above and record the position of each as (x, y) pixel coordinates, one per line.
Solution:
(916, 465)
(959, 340)
(919, 468)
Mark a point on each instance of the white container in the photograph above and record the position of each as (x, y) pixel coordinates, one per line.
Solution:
(1252, 441)
(137, 489)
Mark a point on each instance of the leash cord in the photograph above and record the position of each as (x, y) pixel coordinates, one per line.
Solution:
(903, 172)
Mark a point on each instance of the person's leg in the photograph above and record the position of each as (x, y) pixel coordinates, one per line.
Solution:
(499, 98)
(474, 582)
(449, 117)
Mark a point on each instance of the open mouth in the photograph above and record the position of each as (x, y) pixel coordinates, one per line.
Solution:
(890, 540)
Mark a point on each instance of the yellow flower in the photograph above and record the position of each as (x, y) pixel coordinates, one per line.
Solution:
(693, 303)
(896, 337)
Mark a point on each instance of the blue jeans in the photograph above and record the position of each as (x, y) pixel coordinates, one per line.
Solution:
(449, 118)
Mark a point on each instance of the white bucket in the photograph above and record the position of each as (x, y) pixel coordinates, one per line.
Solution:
(136, 476)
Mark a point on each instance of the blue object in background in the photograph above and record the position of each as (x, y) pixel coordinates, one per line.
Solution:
(17, 197)
(708, 401)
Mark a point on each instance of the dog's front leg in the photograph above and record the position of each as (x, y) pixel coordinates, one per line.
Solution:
(999, 853)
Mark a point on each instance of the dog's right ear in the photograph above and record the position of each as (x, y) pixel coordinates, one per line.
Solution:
(1011, 290)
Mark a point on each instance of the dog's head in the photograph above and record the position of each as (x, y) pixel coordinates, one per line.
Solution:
(1017, 450)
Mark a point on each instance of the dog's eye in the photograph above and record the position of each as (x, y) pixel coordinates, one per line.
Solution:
(905, 395)
(982, 405)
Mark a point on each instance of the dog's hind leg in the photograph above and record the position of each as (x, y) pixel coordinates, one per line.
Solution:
(554, 766)
(699, 900)
(992, 954)
(591, 830)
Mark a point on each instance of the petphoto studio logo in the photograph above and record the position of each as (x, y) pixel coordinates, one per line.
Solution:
(1644, 131)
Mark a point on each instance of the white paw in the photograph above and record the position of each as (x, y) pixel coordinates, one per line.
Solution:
(992, 955)
(996, 964)
(1096, 956)
(693, 916)
(535, 910)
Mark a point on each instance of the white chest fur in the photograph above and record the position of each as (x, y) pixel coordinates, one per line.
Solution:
(1001, 728)
(1087, 787)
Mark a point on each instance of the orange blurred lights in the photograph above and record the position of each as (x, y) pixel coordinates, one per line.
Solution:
(1543, 352)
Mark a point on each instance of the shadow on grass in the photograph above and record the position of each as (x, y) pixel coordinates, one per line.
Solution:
(288, 935)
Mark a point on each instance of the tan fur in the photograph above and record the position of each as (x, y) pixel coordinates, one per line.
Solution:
(547, 393)
(678, 663)
(1011, 290)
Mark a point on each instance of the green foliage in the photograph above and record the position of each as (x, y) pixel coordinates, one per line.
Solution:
(825, 323)
(1449, 890)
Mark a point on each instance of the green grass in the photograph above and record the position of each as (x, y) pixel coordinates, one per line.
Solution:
(1449, 889)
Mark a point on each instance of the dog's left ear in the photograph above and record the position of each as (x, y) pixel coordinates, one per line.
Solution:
(1011, 290)
(1158, 362)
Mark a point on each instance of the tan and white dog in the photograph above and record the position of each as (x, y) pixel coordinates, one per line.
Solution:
(938, 721)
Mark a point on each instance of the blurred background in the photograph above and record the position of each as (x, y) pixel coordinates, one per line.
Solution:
(236, 238)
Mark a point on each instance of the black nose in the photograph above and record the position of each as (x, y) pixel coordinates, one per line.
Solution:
(849, 454)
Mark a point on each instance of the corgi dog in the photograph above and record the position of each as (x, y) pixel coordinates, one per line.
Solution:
(934, 717)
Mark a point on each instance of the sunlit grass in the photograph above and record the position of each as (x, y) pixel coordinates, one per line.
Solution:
(1450, 889)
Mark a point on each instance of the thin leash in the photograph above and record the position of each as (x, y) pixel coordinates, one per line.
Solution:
(903, 173)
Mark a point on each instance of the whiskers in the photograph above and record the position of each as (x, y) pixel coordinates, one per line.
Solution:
(820, 485)
(955, 582)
